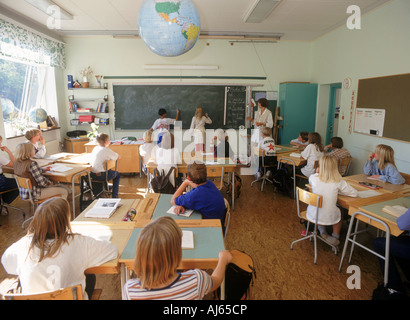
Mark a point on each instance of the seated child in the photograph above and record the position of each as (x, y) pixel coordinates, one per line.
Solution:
(204, 196)
(158, 256)
(51, 256)
(162, 124)
(328, 183)
(167, 156)
(222, 148)
(37, 140)
(25, 167)
(148, 149)
(302, 140)
(7, 183)
(268, 145)
(335, 149)
(380, 165)
(313, 152)
(99, 156)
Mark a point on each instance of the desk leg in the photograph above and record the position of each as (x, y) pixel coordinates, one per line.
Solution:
(233, 190)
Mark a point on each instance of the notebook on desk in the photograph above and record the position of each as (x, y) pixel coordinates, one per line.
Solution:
(104, 208)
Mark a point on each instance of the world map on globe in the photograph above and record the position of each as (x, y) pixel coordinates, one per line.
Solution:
(169, 27)
(38, 115)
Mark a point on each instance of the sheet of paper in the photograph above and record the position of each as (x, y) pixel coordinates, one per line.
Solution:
(59, 168)
(187, 239)
(187, 212)
(368, 193)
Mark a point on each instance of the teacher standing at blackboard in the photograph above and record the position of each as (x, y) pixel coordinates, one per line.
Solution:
(198, 128)
(263, 118)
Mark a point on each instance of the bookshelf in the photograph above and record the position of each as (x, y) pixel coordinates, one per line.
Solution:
(89, 105)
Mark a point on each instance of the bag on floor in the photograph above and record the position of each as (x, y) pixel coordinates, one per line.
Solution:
(282, 181)
(385, 293)
(239, 276)
(85, 195)
(237, 186)
(160, 182)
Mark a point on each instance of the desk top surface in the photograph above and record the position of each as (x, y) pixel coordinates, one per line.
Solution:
(386, 186)
(164, 204)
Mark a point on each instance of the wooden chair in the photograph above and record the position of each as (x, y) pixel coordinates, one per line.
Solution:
(106, 190)
(70, 293)
(215, 172)
(26, 184)
(406, 177)
(315, 200)
(227, 217)
(344, 165)
(260, 153)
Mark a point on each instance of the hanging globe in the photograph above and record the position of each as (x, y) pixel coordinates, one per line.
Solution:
(169, 28)
(38, 115)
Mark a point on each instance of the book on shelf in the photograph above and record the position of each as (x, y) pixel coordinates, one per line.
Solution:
(187, 213)
(103, 208)
(396, 210)
(187, 239)
(102, 107)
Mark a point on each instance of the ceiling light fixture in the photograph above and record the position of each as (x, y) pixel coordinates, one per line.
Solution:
(260, 10)
(180, 67)
(47, 7)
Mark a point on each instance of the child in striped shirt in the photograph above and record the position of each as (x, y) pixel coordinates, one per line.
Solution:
(159, 248)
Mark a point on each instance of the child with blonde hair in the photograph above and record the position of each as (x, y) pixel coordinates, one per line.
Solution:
(380, 165)
(148, 149)
(328, 183)
(158, 255)
(37, 140)
(197, 129)
(51, 256)
(25, 167)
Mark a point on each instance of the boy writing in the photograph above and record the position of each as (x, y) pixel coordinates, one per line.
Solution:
(204, 196)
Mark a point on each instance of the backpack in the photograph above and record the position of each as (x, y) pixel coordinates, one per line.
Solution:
(237, 186)
(384, 293)
(282, 181)
(86, 197)
(160, 182)
(239, 276)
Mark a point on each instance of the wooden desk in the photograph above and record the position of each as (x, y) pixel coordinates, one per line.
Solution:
(374, 206)
(164, 203)
(386, 186)
(129, 160)
(208, 242)
(115, 221)
(286, 148)
(75, 145)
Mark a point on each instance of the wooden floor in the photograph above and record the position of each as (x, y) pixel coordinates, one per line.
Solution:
(263, 224)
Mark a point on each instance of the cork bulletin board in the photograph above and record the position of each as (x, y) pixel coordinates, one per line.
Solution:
(392, 94)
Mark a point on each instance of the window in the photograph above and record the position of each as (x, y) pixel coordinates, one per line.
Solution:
(25, 87)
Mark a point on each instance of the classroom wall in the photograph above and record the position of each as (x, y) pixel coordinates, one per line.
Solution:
(284, 61)
(379, 48)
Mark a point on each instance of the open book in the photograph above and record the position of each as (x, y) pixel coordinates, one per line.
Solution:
(187, 239)
(187, 212)
(294, 154)
(59, 168)
(396, 210)
(104, 208)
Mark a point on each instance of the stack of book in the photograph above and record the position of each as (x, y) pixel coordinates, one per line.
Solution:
(102, 107)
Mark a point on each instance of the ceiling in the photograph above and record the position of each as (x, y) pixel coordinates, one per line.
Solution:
(296, 20)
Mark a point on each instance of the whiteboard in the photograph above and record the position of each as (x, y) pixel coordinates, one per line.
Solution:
(370, 121)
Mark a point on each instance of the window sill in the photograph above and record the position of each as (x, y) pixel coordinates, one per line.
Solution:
(42, 130)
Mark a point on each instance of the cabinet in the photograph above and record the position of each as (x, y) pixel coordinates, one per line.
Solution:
(89, 105)
(297, 107)
(75, 145)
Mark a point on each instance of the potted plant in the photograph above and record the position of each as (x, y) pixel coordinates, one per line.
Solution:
(93, 133)
(85, 73)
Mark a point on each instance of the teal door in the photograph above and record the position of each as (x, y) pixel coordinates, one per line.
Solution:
(297, 107)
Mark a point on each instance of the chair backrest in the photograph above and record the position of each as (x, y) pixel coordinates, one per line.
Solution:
(344, 165)
(227, 216)
(70, 293)
(24, 183)
(258, 152)
(308, 197)
(406, 177)
(215, 172)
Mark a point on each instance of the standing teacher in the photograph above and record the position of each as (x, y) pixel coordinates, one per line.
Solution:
(263, 118)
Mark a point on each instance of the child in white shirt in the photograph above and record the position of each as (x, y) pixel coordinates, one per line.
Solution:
(313, 152)
(162, 124)
(37, 140)
(302, 140)
(99, 156)
(51, 256)
(167, 156)
(328, 183)
(268, 145)
(148, 149)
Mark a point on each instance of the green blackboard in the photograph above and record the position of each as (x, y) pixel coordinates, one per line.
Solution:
(136, 106)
